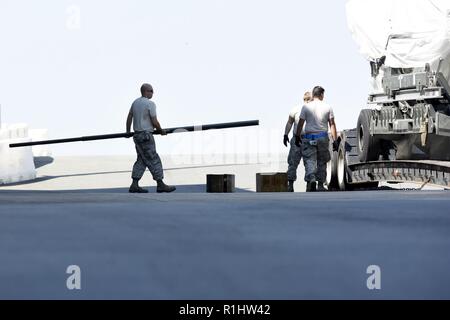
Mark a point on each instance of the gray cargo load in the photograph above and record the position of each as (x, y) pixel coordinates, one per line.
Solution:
(407, 43)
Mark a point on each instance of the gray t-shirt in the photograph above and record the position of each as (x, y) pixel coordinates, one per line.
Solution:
(316, 114)
(142, 109)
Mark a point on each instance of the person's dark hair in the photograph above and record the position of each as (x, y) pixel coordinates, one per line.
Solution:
(145, 87)
(318, 92)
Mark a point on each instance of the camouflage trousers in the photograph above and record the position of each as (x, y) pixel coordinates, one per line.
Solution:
(315, 158)
(146, 157)
(294, 158)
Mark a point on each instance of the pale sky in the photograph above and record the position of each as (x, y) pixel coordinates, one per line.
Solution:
(209, 61)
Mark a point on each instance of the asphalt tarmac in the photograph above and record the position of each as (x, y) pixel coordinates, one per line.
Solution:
(193, 245)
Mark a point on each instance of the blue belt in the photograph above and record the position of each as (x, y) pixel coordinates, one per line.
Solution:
(315, 136)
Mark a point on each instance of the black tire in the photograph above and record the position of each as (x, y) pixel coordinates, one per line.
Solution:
(365, 185)
(332, 172)
(342, 174)
(368, 149)
(341, 168)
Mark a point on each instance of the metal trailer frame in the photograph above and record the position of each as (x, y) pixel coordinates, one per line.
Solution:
(346, 172)
(412, 111)
(403, 127)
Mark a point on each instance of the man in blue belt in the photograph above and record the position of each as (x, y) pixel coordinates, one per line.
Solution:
(315, 142)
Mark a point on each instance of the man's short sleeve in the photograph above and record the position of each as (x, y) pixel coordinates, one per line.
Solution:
(331, 113)
(293, 113)
(152, 109)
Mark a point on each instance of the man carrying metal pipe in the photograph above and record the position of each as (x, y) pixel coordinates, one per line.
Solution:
(143, 116)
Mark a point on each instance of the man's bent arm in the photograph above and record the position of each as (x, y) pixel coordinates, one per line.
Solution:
(129, 121)
(300, 127)
(333, 129)
(156, 124)
(289, 124)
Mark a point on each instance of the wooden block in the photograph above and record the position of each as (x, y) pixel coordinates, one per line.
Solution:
(271, 182)
(220, 183)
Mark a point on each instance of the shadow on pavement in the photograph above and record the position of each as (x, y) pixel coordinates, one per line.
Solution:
(42, 161)
(200, 188)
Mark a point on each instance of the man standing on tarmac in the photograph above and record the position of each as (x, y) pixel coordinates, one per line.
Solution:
(315, 142)
(143, 116)
(295, 153)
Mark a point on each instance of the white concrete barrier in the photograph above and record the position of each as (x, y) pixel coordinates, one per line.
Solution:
(39, 135)
(17, 131)
(16, 165)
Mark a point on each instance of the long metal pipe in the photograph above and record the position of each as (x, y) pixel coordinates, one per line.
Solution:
(216, 126)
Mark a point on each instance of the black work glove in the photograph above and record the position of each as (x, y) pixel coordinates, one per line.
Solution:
(286, 140)
(298, 141)
(336, 145)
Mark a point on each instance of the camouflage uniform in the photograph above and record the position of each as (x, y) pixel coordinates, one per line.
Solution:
(294, 158)
(316, 159)
(147, 157)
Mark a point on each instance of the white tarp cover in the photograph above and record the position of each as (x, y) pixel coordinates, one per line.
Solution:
(419, 30)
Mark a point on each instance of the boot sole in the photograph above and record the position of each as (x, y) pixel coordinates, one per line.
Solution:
(137, 191)
(165, 191)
